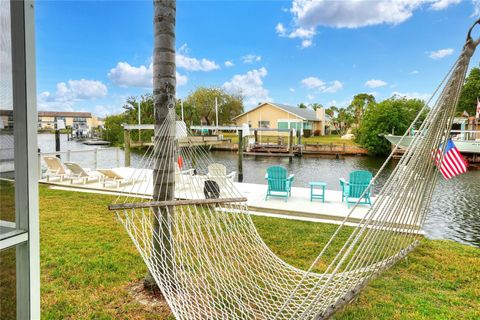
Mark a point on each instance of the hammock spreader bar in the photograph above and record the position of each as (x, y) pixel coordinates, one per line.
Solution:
(152, 204)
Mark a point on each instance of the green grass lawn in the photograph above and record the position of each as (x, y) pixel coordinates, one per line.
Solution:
(88, 263)
(328, 139)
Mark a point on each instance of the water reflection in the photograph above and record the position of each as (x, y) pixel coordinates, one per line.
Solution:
(454, 213)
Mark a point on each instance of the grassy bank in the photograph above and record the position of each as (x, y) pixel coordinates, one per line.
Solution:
(88, 264)
(328, 139)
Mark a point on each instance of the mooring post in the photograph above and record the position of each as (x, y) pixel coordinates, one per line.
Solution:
(57, 142)
(256, 136)
(126, 143)
(290, 141)
(240, 156)
(95, 158)
(117, 157)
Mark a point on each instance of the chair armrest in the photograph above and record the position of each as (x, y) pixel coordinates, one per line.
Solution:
(188, 171)
(266, 176)
(290, 177)
(342, 181)
(231, 175)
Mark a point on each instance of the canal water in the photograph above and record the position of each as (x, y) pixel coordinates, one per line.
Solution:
(454, 213)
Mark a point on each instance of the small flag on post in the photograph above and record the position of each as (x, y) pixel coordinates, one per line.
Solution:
(477, 115)
(453, 162)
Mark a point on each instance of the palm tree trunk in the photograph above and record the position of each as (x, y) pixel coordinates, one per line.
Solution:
(164, 83)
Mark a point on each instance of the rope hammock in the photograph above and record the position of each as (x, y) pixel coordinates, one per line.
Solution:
(207, 258)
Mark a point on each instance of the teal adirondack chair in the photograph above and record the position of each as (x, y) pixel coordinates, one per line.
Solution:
(353, 189)
(279, 184)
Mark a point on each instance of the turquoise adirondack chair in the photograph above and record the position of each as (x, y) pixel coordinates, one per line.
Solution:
(355, 188)
(279, 184)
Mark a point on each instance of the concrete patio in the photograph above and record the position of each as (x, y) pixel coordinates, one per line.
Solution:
(298, 206)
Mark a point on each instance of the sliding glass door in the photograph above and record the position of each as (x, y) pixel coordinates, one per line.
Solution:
(19, 230)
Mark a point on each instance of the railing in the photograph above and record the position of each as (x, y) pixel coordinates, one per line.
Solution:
(89, 158)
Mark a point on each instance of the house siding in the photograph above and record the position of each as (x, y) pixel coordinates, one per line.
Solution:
(274, 115)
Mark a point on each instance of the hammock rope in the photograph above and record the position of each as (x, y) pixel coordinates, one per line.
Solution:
(209, 260)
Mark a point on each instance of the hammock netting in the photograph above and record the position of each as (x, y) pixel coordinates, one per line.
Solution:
(208, 258)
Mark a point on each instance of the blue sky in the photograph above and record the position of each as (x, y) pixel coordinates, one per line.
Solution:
(91, 55)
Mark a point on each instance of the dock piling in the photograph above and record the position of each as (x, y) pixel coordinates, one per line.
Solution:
(57, 142)
(240, 156)
(126, 143)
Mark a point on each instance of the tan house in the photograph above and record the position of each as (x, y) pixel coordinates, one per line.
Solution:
(279, 116)
(6, 119)
(75, 120)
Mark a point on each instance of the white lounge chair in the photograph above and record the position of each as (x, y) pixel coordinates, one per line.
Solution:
(110, 175)
(183, 178)
(55, 168)
(79, 173)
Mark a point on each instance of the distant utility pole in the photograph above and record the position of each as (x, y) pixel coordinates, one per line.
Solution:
(216, 112)
(139, 119)
(181, 106)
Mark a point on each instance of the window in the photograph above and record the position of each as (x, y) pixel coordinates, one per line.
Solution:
(289, 124)
(307, 125)
(60, 118)
(282, 125)
(264, 124)
(79, 122)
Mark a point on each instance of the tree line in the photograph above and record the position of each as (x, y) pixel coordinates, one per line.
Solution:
(366, 118)
(198, 108)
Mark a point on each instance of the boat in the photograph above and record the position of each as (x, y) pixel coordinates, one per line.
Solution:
(464, 146)
(96, 142)
(463, 134)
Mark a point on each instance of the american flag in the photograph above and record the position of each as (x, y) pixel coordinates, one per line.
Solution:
(453, 162)
(477, 114)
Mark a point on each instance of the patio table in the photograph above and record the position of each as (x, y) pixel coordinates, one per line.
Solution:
(317, 190)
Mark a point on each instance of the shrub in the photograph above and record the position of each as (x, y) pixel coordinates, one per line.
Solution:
(307, 133)
(317, 133)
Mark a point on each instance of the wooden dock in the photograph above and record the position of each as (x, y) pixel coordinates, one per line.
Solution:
(189, 141)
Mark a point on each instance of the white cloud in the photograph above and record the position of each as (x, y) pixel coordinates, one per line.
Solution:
(355, 13)
(413, 95)
(182, 60)
(306, 34)
(443, 4)
(280, 29)
(310, 96)
(125, 75)
(440, 54)
(413, 72)
(68, 93)
(193, 64)
(317, 84)
(229, 64)
(249, 85)
(313, 83)
(333, 87)
(181, 79)
(184, 49)
(375, 83)
(291, 90)
(476, 8)
(306, 43)
(251, 58)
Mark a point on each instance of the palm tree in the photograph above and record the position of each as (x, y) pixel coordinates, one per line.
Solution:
(164, 82)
